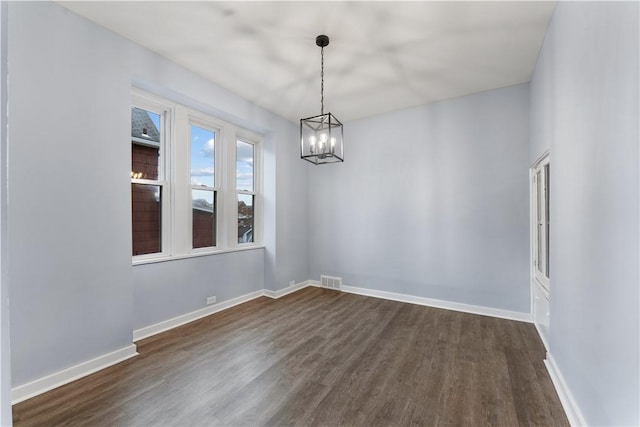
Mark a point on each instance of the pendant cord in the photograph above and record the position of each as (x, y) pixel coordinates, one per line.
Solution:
(322, 80)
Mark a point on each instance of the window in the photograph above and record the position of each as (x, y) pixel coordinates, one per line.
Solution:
(148, 184)
(541, 175)
(203, 189)
(245, 187)
(194, 182)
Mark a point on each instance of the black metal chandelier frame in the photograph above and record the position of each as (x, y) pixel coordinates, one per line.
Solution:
(322, 136)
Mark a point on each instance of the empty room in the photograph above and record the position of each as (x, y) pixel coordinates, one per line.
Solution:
(319, 213)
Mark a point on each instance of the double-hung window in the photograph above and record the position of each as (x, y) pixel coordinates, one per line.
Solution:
(149, 185)
(245, 187)
(195, 182)
(204, 187)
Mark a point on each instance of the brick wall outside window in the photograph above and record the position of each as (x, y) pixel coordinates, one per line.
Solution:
(144, 160)
(204, 234)
(145, 202)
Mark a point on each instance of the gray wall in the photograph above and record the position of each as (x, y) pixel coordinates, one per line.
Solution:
(584, 96)
(291, 213)
(5, 354)
(69, 264)
(74, 292)
(430, 202)
(168, 289)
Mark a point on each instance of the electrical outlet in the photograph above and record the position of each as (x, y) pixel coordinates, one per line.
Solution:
(292, 283)
(211, 300)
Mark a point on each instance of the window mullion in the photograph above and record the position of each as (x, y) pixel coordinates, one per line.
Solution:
(167, 175)
(230, 197)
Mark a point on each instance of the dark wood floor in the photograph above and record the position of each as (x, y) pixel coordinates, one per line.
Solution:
(318, 357)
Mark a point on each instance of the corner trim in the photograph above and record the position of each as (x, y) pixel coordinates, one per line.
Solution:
(286, 291)
(60, 378)
(571, 408)
(447, 305)
(165, 325)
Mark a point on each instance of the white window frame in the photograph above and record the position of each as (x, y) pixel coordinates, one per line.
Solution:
(177, 221)
(540, 218)
(253, 139)
(208, 123)
(156, 105)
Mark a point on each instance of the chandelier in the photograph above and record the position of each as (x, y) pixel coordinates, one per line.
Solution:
(321, 137)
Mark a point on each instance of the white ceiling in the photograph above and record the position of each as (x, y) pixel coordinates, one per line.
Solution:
(383, 56)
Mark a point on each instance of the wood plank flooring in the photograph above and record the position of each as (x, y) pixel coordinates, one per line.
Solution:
(318, 358)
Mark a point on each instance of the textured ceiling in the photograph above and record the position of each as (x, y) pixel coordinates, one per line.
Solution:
(383, 56)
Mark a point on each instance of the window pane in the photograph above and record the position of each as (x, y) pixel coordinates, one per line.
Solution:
(145, 125)
(144, 161)
(145, 144)
(245, 218)
(539, 220)
(146, 213)
(203, 208)
(546, 217)
(202, 156)
(244, 166)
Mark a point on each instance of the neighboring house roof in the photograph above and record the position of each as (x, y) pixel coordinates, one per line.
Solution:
(142, 126)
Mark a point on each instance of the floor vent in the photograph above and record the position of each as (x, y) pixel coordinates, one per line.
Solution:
(331, 282)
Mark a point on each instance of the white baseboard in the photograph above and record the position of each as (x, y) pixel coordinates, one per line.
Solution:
(39, 386)
(165, 325)
(429, 302)
(286, 291)
(571, 408)
(541, 335)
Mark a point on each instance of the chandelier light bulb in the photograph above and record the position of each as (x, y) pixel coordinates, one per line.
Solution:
(312, 144)
(323, 137)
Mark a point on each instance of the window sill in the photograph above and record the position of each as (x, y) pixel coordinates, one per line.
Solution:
(166, 258)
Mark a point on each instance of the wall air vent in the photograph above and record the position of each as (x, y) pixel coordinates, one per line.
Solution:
(330, 282)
